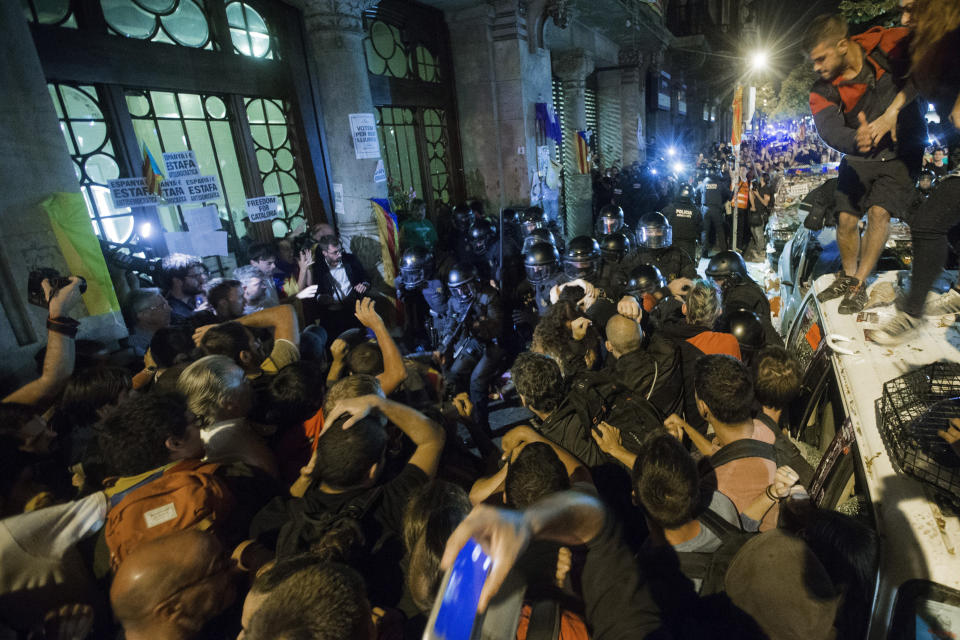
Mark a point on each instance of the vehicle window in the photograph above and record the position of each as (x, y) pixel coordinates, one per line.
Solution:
(806, 334)
(796, 251)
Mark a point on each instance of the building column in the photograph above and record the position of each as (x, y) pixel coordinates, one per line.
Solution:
(573, 67)
(610, 143)
(335, 32)
(633, 110)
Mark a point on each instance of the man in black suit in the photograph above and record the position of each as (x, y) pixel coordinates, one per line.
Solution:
(341, 280)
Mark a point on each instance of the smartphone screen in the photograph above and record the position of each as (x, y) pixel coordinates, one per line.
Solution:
(455, 611)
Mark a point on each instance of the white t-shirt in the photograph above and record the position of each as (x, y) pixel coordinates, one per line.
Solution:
(343, 281)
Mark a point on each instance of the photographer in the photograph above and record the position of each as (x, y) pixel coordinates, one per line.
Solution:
(761, 204)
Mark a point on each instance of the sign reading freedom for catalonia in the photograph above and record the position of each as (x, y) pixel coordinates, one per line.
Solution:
(263, 209)
(363, 126)
(181, 163)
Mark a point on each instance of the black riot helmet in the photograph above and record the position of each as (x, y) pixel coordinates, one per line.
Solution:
(416, 267)
(541, 261)
(481, 236)
(582, 257)
(716, 172)
(645, 278)
(462, 218)
(654, 232)
(509, 216)
(609, 220)
(685, 193)
(746, 327)
(536, 236)
(462, 282)
(925, 181)
(533, 218)
(614, 246)
(727, 268)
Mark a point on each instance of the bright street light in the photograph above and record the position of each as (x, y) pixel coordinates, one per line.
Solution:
(759, 60)
(678, 167)
(671, 151)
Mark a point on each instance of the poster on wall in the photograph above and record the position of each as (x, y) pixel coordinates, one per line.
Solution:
(543, 160)
(181, 163)
(263, 208)
(337, 197)
(380, 173)
(363, 128)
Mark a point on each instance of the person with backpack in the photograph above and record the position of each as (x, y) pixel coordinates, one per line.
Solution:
(648, 364)
(349, 503)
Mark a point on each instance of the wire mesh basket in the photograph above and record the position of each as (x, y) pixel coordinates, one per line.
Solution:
(913, 408)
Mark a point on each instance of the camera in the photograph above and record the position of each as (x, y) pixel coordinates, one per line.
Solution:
(35, 280)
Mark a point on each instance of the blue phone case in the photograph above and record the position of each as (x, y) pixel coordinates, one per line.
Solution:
(457, 610)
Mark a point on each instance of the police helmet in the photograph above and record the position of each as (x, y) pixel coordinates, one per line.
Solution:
(716, 172)
(541, 261)
(746, 327)
(582, 257)
(727, 264)
(462, 282)
(481, 236)
(645, 278)
(533, 218)
(536, 236)
(654, 231)
(462, 217)
(416, 266)
(926, 180)
(510, 216)
(614, 246)
(685, 192)
(609, 220)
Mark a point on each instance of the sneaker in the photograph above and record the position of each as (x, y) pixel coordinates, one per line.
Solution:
(839, 287)
(941, 305)
(896, 330)
(855, 299)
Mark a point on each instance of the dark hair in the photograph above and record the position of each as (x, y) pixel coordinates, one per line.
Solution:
(132, 438)
(13, 417)
(778, 377)
(328, 241)
(276, 575)
(438, 494)
(295, 394)
(261, 251)
(176, 265)
(538, 379)
(344, 456)
(828, 27)
(172, 345)
(353, 386)
(220, 291)
(724, 385)
(366, 357)
(536, 472)
(83, 396)
(226, 339)
(321, 602)
(666, 483)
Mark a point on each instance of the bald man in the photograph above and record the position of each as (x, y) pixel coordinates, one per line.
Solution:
(169, 588)
(649, 365)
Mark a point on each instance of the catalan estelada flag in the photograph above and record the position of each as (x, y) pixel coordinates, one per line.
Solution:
(737, 132)
(389, 238)
(583, 151)
(151, 171)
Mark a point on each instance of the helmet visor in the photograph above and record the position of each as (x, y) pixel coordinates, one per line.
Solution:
(537, 273)
(606, 226)
(611, 255)
(412, 276)
(655, 237)
(580, 268)
(478, 246)
(464, 291)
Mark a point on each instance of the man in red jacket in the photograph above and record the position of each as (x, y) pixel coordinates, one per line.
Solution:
(864, 108)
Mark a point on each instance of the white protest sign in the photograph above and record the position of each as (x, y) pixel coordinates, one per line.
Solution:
(130, 192)
(197, 243)
(174, 192)
(263, 209)
(337, 197)
(202, 188)
(202, 218)
(179, 242)
(380, 174)
(543, 159)
(363, 128)
(180, 164)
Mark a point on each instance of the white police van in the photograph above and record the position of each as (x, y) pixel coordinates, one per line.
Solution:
(872, 411)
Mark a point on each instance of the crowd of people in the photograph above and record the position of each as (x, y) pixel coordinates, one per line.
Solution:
(298, 451)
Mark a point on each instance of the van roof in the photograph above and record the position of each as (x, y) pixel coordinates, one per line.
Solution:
(924, 540)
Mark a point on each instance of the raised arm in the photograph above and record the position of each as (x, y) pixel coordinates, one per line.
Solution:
(59, 359)
(281, 318)
(394, 371)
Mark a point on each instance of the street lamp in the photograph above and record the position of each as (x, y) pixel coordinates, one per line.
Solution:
(759, 60)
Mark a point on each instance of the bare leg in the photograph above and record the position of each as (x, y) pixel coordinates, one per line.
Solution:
(874, 239)
(848, 241)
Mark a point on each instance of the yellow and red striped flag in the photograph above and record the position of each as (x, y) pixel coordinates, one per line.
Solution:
(151, 171)
(583, 151)
(737, 132)
(389, 238)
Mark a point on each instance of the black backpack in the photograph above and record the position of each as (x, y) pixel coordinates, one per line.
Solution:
(711, 567)
(595, 397)
(303, 532)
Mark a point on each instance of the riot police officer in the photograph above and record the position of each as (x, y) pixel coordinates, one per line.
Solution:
(421, 293)
(609, 220)
(655, 246)
(581, 259)
(613, 248)
(536, 236)
(739, 291)
(542, 265)
(686, 220)
(532, 218)
(715, 192)
(463, 219)
(747, 328)
(472, 326)
(484, 254)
